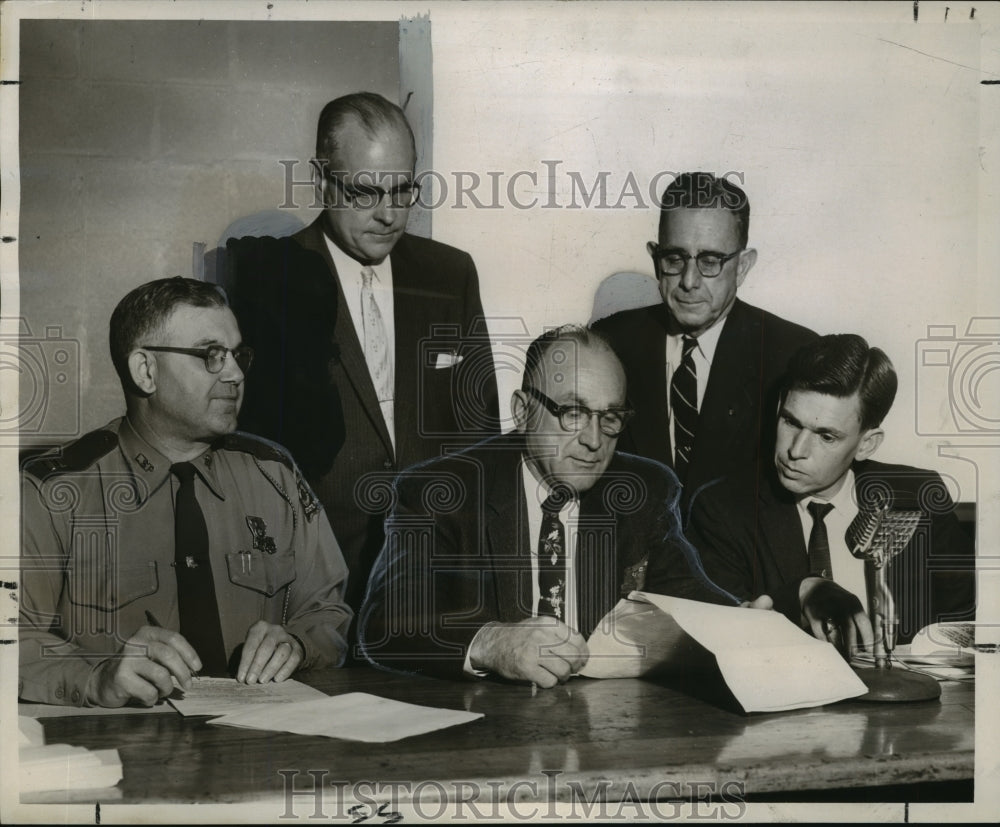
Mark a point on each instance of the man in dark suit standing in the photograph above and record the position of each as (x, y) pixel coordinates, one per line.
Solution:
(765, 531)
(373, 350)
(702, 366)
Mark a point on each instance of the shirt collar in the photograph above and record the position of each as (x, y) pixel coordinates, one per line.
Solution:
(707, 341)
(350, 268)
(842, 501)
(149, 465)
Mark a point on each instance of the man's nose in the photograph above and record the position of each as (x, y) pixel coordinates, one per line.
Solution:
(384, 211)
(231, 371)
(591, 436)
(799, 446)
(691, 276)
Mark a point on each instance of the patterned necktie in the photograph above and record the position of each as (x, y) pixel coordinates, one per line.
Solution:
(196, 601)
(819, 541)
(552, 556)
(684, 405)
(376, 342)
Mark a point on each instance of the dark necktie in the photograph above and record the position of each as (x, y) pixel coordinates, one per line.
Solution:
(196, 601)
(684, 406)
(819, 541)
(552, 556)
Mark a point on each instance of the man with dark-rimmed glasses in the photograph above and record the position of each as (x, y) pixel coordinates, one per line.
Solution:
(372, 349)
(501, 559)
(702, 366)
(166, 544)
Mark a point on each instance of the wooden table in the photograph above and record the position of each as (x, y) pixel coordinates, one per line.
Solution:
(613, 740)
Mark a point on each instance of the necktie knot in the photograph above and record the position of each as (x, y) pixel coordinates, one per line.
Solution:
(819, 510)
(556, 501)
(689, 344)
(184, 471)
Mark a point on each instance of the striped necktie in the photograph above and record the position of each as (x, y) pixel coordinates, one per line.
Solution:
(684, 407)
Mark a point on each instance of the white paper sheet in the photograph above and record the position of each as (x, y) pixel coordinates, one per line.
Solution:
(768, 663)
(355, 716)
(218, 696)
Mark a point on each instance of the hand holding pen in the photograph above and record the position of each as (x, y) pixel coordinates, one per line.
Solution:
(145, 669)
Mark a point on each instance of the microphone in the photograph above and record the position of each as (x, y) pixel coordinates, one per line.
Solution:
(876, 535)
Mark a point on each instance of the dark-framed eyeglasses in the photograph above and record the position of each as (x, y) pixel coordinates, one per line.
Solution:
(369, 196)
(214, 356)
(671, 261)
(573, 418)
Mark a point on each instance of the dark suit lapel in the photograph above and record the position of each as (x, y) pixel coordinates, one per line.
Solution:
(733, 383)
(780, 533)
(508, 548)
(411, 320)
(352, 356)
(647, 392)
(596, 559)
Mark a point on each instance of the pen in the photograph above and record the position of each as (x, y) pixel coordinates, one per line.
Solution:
(152, 621)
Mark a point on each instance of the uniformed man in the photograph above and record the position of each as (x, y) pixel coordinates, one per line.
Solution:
(165, 544)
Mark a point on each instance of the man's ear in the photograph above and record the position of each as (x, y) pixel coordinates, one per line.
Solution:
(519, 409)
(319, 166)
(869, 443)
(142, 369)
(746, 260)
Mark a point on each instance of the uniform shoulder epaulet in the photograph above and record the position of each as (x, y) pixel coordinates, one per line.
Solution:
(258, 447)
(264, 449)
(77, 456)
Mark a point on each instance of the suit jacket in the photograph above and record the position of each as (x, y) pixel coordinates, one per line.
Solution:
(457, 553)
(749, 534)
(740, 398)
(310, 388)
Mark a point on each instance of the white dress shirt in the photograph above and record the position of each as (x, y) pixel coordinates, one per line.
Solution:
(349, 272)
(848, 570)
(703, 354)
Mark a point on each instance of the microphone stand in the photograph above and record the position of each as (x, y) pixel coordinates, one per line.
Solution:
(877, 536)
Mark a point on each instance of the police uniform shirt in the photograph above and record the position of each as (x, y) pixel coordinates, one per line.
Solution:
(98, 553)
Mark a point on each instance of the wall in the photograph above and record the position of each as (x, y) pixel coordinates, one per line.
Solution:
(140, 139)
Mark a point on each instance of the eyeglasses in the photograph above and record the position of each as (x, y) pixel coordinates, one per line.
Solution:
(369, 196)
(577, 417)
(671, 261)
(214, 356)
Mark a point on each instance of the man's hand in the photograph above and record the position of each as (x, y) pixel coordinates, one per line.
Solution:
(762, 602)
(142, 670)
(834, 614)
(269, 652)
(541, 650)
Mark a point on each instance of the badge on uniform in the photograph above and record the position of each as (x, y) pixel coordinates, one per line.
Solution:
(261, 542)
(308, 499)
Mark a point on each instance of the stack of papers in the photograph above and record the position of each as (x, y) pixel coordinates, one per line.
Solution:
(60, 766)
(218, 696)
(768, 663)
(356, 716)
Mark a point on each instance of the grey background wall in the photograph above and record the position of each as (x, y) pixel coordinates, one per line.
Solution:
(140, 139)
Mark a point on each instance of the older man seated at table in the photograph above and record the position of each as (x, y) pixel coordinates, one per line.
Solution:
(164, 544)
(501, 559)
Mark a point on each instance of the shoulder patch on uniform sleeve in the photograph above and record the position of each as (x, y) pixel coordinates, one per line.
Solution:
(76, 456)
(258, 447)
(310, 505)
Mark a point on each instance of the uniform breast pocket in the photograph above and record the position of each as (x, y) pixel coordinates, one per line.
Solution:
(109, 587)
(260, 571)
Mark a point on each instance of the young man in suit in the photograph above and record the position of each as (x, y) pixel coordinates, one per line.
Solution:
(368, 360)
(767, 531)
(502, 559)
(703, 366)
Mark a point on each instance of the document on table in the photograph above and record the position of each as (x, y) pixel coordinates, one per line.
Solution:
(354, 716)
(768, 663)
(218, 696)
